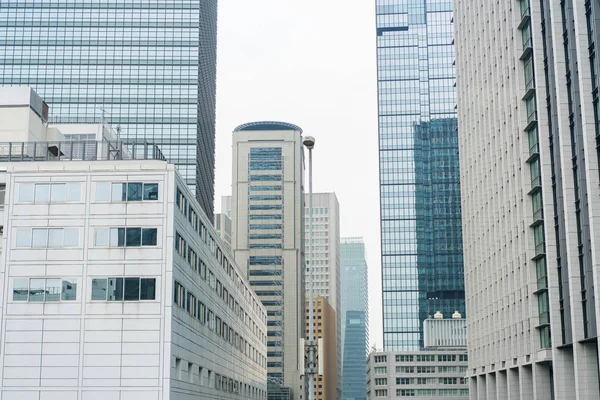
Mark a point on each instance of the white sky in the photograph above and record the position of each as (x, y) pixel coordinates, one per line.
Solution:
(311, 63)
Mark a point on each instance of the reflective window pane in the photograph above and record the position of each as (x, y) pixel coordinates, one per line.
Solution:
(26, 192)
(150, 191)
(71, 237)
(20, 289)
(117, 237)
(24, 238)
(115, 289)
(37, 290)
(103, 192)
(134, 192)
(148, 289)
(69, 290)
(42, 193)
(57, 192)
(101, 236)
(53, 289)
(132, 289)
(40, 237)
(55, 237)
(73, 191)
(149, 236)
(98, 289)
(119, 192)
(133, 237)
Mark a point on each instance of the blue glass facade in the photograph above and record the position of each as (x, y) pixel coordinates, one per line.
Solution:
(148, 66)
(355, 318)
(421, 237)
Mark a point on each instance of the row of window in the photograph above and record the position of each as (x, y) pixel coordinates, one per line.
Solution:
(198, 266)
(124, 289)
(191, 215)
(71, 192)
(423, 358)
(196, 374)
(187, 301)
(125, 237)
(44, 289)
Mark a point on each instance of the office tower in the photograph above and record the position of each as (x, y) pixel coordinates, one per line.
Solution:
(326, 253)
(355, 318)
(147, 67)
(116, 285)
(528, 112)
(421, 239)
(437, 371)
(325, 330)
(267, 214)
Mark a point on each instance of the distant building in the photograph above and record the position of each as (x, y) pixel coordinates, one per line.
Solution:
(116, 285)
(326, 386)
(268, 237)
(434, 372)
(355, 318)
(326, 262)
(223, 228)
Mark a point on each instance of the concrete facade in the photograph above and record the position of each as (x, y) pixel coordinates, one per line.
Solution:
(527, 84)
(326, 386)
(268, 236)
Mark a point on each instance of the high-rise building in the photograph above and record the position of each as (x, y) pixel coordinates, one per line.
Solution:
(355, 318)
(324, 325)
(326, 260)
(527, 84)
(267, 213)
(421, 240)
(147, 66)
(116, 286)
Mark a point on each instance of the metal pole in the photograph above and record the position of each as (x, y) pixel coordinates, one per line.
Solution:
(311, 330)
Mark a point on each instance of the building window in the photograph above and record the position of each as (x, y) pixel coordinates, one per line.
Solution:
(405, 392)
(125, 237)
(47, 238)
(380, 359)
(44, 289)
(49, 192)
(124, 289)
(381, 393)
(404, 358)
(126, 191)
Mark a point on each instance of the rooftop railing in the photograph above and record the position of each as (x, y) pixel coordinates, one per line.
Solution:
(79, 151)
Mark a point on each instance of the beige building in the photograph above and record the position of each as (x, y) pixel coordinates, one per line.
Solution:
(267, 239)
(326, 384)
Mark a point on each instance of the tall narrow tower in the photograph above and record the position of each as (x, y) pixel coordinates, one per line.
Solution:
(421, 236)
(267, 213)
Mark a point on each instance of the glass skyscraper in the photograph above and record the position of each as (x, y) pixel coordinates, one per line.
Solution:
(421, 239)
(355, 318)
(147, 67)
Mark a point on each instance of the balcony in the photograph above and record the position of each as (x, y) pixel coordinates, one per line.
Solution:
(540, 251)
(542, 284)
(538, 218)
(544, 319)
(527, 49)
(525, 14)
(536, 185)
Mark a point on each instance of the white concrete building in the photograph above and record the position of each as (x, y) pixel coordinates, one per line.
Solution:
(529, 124)
(326, 262)
(435, 372)
(268, 236)
(115, 286)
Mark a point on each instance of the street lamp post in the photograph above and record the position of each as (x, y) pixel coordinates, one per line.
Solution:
(309, 142)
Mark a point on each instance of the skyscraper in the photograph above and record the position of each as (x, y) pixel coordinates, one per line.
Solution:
(421, 240)
(355, 318)
(326, 252)
(147, 66)
(267, 211)
(529, 115)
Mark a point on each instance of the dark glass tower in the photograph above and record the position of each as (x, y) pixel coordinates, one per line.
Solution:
(147, 66)
(422, 263)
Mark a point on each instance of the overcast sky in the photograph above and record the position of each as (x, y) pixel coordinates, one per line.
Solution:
(311, 63)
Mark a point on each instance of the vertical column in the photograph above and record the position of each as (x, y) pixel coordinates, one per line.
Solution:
(473, 388)
(513, 384)
(564, 376)
(481, 387)
(491, 386)
(526, 382)
(501, 385)
(586, 371)
(542, 381)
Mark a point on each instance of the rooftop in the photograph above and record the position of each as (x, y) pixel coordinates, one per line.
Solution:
(267, 126)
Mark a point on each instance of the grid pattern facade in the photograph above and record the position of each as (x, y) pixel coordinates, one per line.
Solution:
(422, 262)
(147, 66)
(529, 164)
(326, 253)
(427, 375)
(267, 210)
(355, 318)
